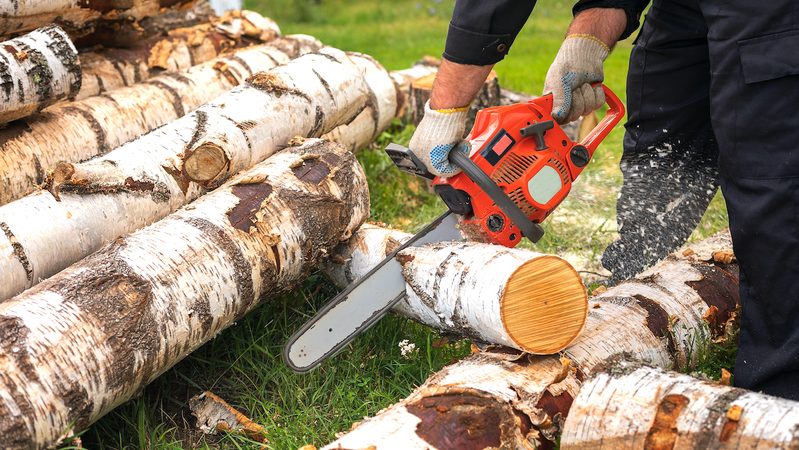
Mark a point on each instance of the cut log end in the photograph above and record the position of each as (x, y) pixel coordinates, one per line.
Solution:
(544, 305)
(205, 163)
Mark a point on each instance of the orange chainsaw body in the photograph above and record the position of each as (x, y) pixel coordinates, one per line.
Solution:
(527, 155)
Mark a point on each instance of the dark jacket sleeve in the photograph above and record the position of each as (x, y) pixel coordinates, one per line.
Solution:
(632, 8)
(482, 31)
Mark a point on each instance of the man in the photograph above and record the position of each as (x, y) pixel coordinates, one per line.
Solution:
(713, 94)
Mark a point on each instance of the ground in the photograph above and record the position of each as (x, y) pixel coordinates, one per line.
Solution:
(243, 364)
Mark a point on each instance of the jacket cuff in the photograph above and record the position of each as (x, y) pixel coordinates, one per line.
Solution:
(477, 49)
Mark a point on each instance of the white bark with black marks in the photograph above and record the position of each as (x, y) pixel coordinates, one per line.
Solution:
(627, 406)
(92, 203)
(468, 289)
(93, 336)
(497, 399)
(77, 131)
(37, 70)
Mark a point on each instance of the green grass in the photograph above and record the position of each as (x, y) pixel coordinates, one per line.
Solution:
(243, 364)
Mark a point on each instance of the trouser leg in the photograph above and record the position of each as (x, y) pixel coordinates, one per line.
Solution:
(754, 56)
(670, 155)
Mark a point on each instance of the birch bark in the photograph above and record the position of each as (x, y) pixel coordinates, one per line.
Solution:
(37, 70)
(466, 288)
(92, 203)
(179, 50)
(629, 407)
(497, 399)
(92, 337)
(76, 131)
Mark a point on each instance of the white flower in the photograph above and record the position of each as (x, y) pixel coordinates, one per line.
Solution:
(407, 349)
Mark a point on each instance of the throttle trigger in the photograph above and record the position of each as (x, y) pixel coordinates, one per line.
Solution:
(538, 130)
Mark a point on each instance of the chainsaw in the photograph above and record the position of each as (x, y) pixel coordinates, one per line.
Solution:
(517, 166)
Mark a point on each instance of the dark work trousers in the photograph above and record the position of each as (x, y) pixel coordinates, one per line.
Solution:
(735, 62)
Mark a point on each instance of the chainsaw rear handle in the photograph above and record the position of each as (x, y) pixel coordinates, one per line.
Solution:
(613, 116)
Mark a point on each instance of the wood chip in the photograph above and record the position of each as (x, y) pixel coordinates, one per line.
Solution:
(734, 413)
(215, 415)
(726, 377)
(600, 290)
(724, 257)
(688, 252)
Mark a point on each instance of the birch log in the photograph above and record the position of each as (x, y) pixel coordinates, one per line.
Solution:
(36, 70)
(128, 33)
(512, 297)
(497, 399)
(77, 17)
(92, 203)
(80, 130)
(92, 337)
(182, 48)
(630, 407)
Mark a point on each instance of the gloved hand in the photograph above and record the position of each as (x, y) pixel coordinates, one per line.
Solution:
(579, 63)
(435, 136)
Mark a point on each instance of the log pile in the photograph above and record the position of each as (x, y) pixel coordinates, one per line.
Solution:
(163, 171)
(90, 338)
(513, 400)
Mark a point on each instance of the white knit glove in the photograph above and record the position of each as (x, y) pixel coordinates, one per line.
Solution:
(579, 63)
(435, 136)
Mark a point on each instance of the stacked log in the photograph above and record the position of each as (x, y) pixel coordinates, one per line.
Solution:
(178, 50)
(36, 70)
(130, 32)
(497, 399)
(517, 298)
(80, 130)
(78, 18)
(92, 337)
(92, 203)
(627, 406)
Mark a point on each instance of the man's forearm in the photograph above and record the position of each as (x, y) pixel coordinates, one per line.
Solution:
(606, 24)
(456, 85)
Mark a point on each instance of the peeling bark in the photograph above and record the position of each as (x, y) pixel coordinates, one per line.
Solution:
(76, 17)
(446, 291)
(80, 130)
(92, 203)
(93, 336)
(179, 50)
(36, 70)
(538, 390)
(129, 33)
(627, 406)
